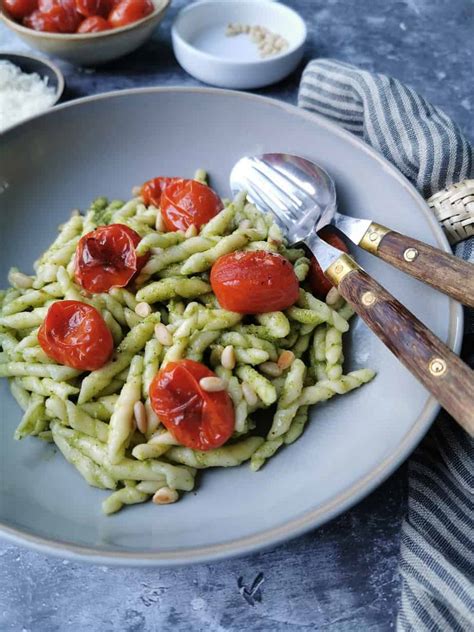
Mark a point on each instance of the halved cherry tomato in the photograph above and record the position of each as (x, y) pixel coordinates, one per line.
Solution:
(90, 8)
(19, 9)
(320, 284)
(75, 334)
(254, 282)
(128, 11)
(106, 258)
(152, 189)
(186, 202)
(198, 419)
(94, 24)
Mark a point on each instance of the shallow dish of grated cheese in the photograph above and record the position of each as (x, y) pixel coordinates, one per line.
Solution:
(28, 86)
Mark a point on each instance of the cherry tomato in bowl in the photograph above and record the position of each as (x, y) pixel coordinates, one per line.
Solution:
(94, 24)
(92, 8)
(106, 258)
(19, 9)
(75, 334)
(254, 282)
(128, 11)
(318, 281)
(187, 202)
(197, 418)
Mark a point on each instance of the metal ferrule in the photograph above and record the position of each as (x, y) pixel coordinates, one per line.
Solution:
(373, 236)
(340, 268)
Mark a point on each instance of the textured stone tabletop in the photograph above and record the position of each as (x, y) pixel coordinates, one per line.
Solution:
(342, 577)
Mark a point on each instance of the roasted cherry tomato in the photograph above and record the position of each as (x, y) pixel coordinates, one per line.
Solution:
(94, 24)
(198, 419)
(39, 21)
(92, 8)
(254, 282)
(152, 189)
(19, 9)
(320, 284)
(187, 202)
(46, 5)
(106, 258)
(128, 11)
(75, 334)
(54, 16)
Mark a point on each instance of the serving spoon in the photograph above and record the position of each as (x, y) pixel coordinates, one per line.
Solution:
(284, 186)
(309, 187)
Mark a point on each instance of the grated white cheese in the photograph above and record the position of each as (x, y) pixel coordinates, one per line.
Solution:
(21, 94)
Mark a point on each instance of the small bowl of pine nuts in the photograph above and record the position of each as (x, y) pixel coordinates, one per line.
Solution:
(239, 44)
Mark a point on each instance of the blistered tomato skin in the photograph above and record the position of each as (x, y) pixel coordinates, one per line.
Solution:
(318, 281)
(90, 8)
(196, 418)
(254, 282)
(54, 16)
(19, 9)
(128, 11)
(94, 24)
(187, 202)
(106, 258)
(75, 334)
(152, 189)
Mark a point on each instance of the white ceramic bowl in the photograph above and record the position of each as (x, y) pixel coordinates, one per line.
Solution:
(91, 49)
(205, 52)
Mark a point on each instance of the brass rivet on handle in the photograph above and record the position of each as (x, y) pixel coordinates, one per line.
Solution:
(437, 367)
(410, 254)
(373, 236)
(368, 298)
(338, 268)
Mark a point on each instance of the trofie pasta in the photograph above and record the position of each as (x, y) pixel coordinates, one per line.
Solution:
(126, 426)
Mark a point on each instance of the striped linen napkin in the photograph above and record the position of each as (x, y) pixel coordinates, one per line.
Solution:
(437, 547)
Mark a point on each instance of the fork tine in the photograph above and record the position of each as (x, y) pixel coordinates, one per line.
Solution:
(289, 194)
(280, 202)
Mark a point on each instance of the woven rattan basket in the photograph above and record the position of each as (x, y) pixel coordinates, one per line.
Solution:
(454, 209)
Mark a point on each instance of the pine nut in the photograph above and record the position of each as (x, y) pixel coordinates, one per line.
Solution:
(19, 280)
(159, 224)
(286, 359)
(212, 384)
(143, 310)
(163, 335)
(165, 496)
(333, 297)
(191, 231)
(152, 417)
(249, 394)
(228, 357)
(136, 191)
(163, 438)
(271, 368)
(140, 415)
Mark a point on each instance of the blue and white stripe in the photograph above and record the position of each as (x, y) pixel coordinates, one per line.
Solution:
(418, 137)
(437, 544)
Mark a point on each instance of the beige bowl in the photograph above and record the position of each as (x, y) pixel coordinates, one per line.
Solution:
(91, 49)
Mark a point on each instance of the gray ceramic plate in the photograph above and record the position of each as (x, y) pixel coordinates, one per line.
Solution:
(107, 144)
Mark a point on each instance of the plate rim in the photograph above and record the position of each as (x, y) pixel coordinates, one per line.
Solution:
(314, 517)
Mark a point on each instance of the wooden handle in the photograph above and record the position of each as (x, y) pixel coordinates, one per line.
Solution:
(443, 271)
(437, 367)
